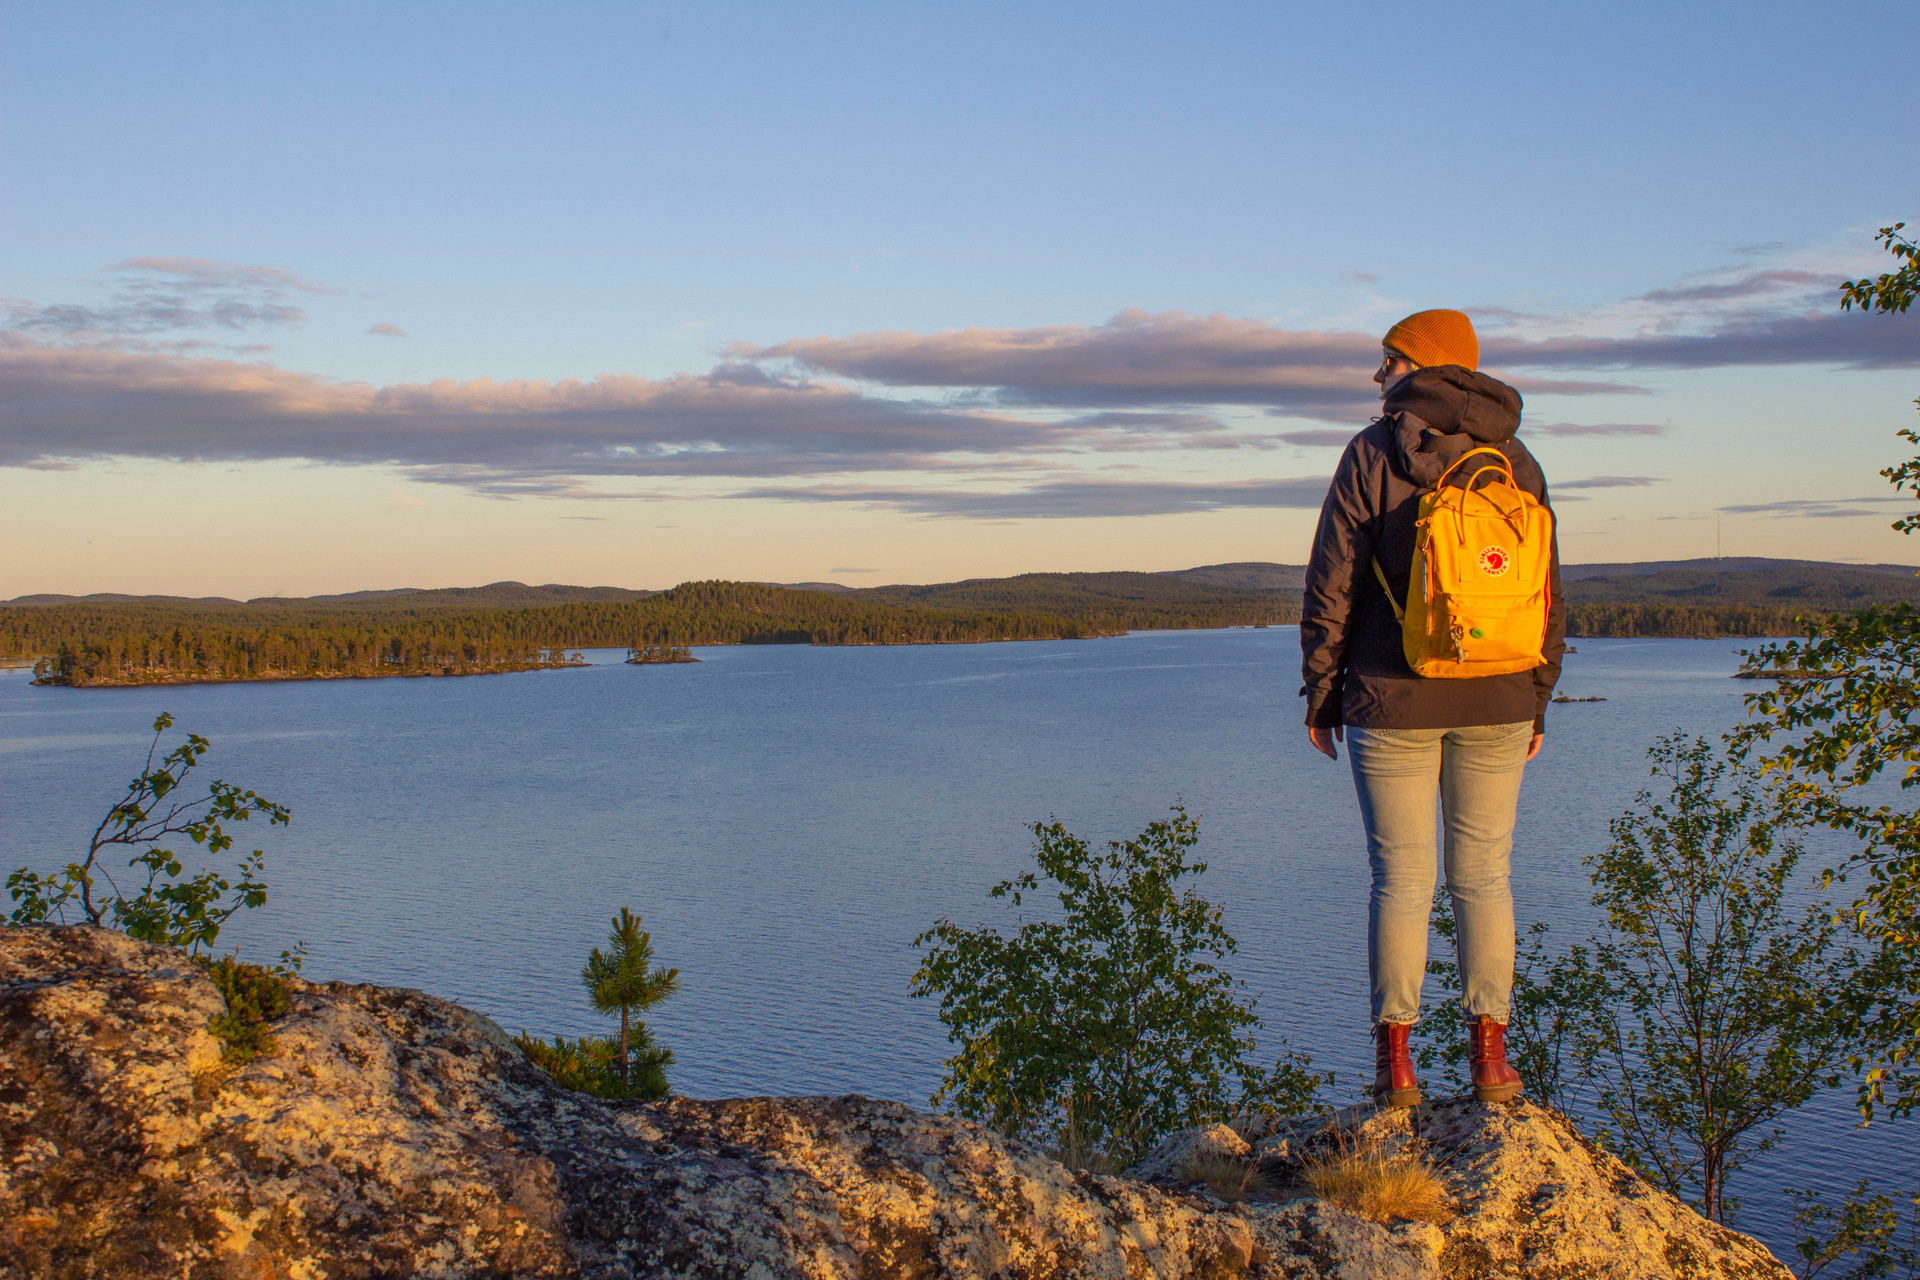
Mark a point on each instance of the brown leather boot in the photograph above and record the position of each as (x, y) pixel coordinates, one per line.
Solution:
(1493, 1079)
(1394, 1084)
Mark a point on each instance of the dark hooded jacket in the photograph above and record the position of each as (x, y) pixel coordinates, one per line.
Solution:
(1355, 668)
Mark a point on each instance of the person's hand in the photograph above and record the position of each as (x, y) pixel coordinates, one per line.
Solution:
(1323, 740)
(1533, 748)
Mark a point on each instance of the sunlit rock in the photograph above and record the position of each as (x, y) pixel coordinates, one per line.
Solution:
(390, 1133)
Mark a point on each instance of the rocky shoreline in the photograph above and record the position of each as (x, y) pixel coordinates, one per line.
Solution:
(391, 1133)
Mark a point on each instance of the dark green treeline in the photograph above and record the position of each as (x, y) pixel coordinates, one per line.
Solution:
(139, 642)
(1696, 621)
(167, 641)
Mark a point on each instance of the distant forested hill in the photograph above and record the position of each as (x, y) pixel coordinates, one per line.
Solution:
(1127, 601)
(1719, 597)
(1801, 584)
(1748, 596)
(1709, 597)
(1730, 565)
(1749, 580)
(496, 595)
(1732, 597)
(148, 641)
(512, 626)
(1248, 575)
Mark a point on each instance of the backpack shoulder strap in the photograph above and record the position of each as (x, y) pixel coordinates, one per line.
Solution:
(1399, 612)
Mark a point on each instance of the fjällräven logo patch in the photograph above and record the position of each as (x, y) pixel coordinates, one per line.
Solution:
(1495, 561)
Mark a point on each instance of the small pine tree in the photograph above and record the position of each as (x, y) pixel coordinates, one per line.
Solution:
(623, 979)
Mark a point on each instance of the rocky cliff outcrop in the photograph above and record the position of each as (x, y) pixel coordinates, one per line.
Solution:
(390, 1133)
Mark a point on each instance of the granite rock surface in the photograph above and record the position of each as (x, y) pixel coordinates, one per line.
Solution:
(390, 1133)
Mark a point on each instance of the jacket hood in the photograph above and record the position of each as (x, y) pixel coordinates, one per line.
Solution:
(1439, 413)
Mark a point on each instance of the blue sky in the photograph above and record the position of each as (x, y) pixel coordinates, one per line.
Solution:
(370, 296)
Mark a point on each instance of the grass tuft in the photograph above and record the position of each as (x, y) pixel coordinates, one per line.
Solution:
(1073, 1149)
(1229, 1177)
(1374, 1184)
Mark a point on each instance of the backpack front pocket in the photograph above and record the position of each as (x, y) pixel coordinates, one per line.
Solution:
(1474, 633)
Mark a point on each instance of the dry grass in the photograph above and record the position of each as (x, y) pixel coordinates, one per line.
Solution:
(208, 1081)
(1230, 1178)
(1075, 1152)
(1377, 1185)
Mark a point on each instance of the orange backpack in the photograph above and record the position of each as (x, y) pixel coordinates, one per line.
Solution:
(1477, 598)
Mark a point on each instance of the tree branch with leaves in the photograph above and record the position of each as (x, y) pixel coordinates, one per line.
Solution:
(161, 902)
(1834, 735)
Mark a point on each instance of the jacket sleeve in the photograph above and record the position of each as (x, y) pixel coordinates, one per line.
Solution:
(1547, 674)
(1342, 554)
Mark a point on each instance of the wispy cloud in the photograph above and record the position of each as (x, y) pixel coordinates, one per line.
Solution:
(1134, 359)
(209, 275)
(1608, 482)
(137, 374)
(1317, 439)
(1175, 359)
(150, 296)
(520, 437)
(154, 315)
(1744, 287)
(1118, 429)
(1066, 499)
(1820, 508)
(1837, 339)
(1782, 310)
(1594, 429)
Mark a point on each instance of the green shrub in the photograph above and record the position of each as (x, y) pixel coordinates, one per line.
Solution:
(1108, 1024)
(591, 1064)
(255, 995)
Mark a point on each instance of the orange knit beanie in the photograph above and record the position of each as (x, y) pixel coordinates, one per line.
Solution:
(1435, 337)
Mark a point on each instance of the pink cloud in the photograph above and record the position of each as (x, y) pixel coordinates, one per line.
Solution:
(1134, 359)
(207, 273)
(61, 402)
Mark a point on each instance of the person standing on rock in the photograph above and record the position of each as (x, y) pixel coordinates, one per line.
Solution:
(1413, 741)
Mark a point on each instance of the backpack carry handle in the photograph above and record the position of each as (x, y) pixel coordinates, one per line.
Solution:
(1480, 471)
(1502, 465)
(1508, 473)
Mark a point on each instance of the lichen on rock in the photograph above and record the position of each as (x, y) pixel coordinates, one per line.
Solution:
(390, 1133)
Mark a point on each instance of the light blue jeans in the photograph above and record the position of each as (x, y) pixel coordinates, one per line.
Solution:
(1474, 773)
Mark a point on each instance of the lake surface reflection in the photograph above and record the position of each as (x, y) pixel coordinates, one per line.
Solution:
(787, 819)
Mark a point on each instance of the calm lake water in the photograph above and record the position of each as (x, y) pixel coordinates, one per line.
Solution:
(787, 819)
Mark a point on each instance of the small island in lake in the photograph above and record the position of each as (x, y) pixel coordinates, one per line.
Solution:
(1564, 698)
(64, 670)
(1782, 673)
(647, 655)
